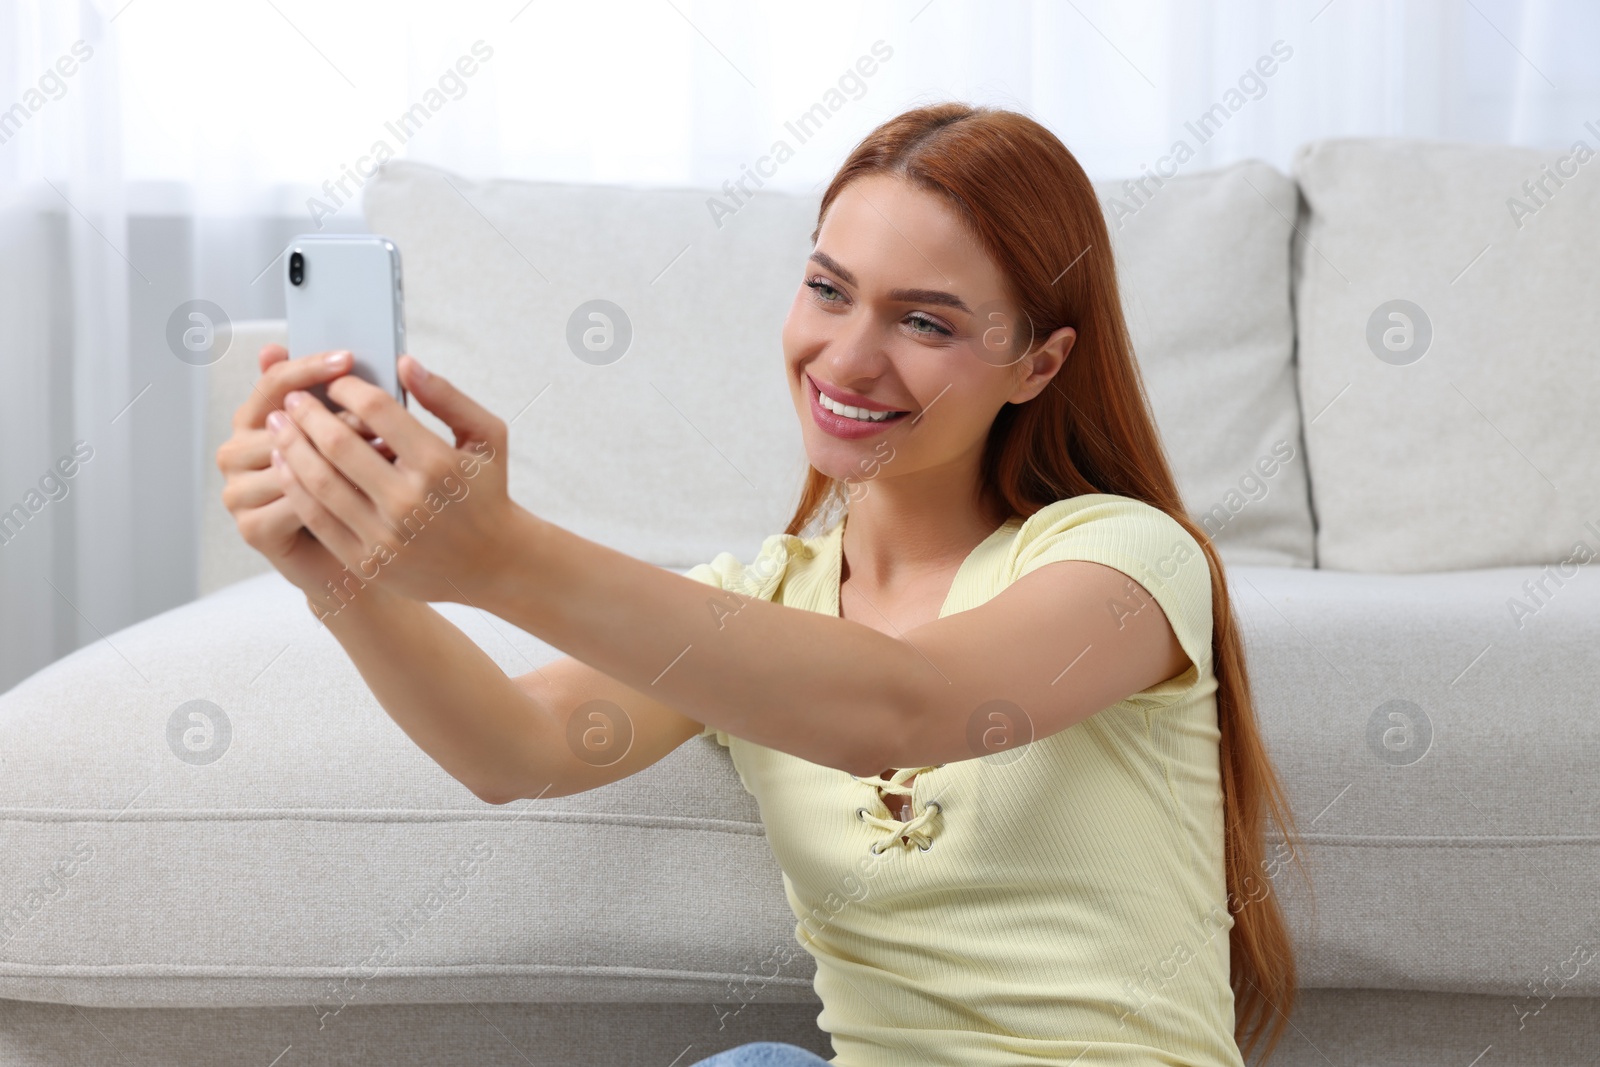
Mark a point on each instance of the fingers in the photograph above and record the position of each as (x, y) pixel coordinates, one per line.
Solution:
(251, 450)
(470, 420)
(312, 513)
(370, 480)
(269, 355)
(252, 489)
(280, 376)
(409, 439)
(352, 420)
(271, 529)
(414, 443)
(246, 450)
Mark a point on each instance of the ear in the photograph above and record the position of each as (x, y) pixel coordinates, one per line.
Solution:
(1042, 364)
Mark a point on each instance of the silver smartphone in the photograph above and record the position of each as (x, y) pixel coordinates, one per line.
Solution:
(343, 291)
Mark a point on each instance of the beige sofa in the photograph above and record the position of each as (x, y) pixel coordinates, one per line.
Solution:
(220, 850)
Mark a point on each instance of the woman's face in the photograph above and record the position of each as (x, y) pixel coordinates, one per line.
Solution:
(901, 311)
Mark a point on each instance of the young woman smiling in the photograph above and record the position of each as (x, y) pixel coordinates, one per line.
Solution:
(996, 714)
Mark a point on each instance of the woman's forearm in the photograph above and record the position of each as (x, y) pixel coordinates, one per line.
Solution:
(828, 690)
(445, 692)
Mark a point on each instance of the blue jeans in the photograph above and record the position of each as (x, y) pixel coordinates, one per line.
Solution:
(763, 1054)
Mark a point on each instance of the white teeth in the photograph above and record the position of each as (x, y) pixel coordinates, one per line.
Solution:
(851, 412)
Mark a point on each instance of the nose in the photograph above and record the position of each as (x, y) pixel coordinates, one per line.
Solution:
(856, 355)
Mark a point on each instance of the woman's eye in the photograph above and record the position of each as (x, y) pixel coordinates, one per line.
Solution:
(824, 291)
(923, 324)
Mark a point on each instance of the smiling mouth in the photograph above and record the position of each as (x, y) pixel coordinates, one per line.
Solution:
(847, 411)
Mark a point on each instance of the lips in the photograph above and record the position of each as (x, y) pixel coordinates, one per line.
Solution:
(855, 400)
(844, 426)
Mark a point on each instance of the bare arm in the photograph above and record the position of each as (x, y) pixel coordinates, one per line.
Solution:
(502, 738)
(829, 690)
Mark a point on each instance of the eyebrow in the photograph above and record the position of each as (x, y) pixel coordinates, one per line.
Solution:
(905, 296)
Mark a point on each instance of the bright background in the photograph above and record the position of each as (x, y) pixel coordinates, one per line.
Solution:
(178, 159)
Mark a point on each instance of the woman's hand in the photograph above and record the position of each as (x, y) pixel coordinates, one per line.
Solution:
(436, 524)
(252, 493)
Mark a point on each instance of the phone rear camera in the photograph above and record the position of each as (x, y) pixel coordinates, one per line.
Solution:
(297, 268)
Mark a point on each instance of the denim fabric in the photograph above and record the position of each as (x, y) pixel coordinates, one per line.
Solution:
(763, 1054)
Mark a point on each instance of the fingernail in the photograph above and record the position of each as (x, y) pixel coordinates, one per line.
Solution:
(293, 398)
(422, 372)
(276, 421)
(336, 359)
(277, 458)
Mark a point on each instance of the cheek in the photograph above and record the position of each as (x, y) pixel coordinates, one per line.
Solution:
(801, 330)
(962, 383)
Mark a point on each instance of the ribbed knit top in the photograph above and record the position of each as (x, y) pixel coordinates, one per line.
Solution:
(1058, 903)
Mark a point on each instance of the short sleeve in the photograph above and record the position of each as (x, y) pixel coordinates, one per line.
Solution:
(1147, 545)
(759, 579)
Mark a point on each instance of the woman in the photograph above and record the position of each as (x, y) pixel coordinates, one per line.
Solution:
(995, 713)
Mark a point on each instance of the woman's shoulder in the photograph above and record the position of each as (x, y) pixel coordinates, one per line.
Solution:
(1110, 519)
(1098, 507)
(1132, 536)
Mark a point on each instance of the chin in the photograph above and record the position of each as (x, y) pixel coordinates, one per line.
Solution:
(837, 459)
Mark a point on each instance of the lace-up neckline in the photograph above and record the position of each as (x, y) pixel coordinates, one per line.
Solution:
(906, 832)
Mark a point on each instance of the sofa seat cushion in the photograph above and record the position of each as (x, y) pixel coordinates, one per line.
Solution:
(309, 853)
(1438, 735)
(320, 859)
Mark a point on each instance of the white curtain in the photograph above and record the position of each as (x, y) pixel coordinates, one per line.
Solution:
(190, 139)
(68, 466)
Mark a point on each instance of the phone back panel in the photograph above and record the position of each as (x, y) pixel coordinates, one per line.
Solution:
(350, 297)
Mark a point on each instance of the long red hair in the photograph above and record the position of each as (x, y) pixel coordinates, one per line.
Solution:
(1035, 211)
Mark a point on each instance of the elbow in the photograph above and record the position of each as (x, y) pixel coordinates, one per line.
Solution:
(524, 790)
(493, 797)
(497, 794)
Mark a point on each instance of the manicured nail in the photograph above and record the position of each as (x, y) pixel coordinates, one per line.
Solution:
(276, 421)
(336, 359)
(277, 458)
(422, 374)
(293, 398)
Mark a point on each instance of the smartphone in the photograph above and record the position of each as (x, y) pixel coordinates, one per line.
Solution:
(343, 291)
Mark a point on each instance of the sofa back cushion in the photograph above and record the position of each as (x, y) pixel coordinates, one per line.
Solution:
(1203, 261)
(678, 441)
(1446, 301)
(687, 445)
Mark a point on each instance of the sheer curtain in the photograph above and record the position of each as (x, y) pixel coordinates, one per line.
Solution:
(159, 152)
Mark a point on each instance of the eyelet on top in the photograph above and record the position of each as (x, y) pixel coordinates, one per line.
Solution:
(874, 849)
(861, 815)
(931, 804)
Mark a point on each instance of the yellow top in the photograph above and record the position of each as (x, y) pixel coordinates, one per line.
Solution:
(1062, 902)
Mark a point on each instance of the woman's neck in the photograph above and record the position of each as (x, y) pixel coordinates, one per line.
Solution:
(893, 534)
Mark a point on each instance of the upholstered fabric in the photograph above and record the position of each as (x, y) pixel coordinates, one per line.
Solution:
(1203, 262)
(273, 874)
(684, 445)
(322, 858)
(1461, 433)
(496, 271)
